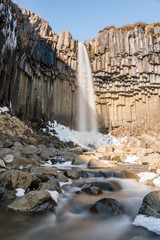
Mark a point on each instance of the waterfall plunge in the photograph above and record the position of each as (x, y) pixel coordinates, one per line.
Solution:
(87, 117)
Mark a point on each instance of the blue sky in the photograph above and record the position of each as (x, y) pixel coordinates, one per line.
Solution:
(84, 18)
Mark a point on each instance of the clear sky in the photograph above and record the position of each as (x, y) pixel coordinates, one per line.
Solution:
(84, 18)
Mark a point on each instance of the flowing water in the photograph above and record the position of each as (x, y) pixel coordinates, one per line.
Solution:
(87, 118)
(73, 220)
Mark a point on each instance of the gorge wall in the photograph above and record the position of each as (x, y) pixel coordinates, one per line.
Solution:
(38, 70)
(126, 69)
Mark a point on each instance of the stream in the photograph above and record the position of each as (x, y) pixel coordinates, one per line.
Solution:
(73, 220)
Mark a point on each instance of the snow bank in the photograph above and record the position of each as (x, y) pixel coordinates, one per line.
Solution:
(131, 159)
(4, 109)
(156, 182)
(151, 223)
(83, 139)
(146, 176)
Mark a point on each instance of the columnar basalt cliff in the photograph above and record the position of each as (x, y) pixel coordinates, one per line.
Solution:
(38, 70)
(126, 69)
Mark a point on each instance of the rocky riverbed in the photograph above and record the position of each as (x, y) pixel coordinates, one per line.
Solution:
(60, 185)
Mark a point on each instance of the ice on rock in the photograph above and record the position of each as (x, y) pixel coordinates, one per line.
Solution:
(146, 176)
(151, 223)
(9, 33)
(20, 192)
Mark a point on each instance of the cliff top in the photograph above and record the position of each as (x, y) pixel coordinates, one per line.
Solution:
(129, 27)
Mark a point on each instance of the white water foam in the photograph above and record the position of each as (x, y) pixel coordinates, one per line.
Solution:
(83, 139)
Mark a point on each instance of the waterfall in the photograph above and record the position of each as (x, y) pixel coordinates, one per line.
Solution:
(87, 117)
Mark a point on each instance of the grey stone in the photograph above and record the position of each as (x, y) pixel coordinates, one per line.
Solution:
(33, 201)
(151, 205)
(108, 207)
(12, 179)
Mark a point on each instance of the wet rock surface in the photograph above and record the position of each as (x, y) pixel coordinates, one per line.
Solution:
(151, 205)
(107, 206)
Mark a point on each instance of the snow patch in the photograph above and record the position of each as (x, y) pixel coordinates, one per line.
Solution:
(4, 109)
(131, 159)
(146, 176)
(54, 195)
(20, 192)
(156, 182)
(151, 223)
(83, 139)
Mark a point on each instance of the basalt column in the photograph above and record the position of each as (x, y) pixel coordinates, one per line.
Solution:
(126, 71)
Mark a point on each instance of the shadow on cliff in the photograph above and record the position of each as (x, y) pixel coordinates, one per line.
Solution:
(33, 78)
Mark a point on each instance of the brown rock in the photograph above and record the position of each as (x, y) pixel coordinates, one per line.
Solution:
(12, 179)
(49, 171)
(82, 159)
(93, 163)
(33, 201)
(2, 164)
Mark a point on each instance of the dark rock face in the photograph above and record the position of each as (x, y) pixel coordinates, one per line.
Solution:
(107, 206)
(151, 205)
(37, 72)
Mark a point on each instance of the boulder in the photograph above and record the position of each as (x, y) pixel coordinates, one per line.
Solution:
(119, 157)
(82, 159)
(7, 194)
(69, 156)
(155, 146)
(146, 140)
(12, 179)
(49, 171)
(105, 149)
(150, 158)
(8, 158)
(30, 149)
(108, 207)
(103, 185)
(144, 152)
(34, 201)
(92, 190)
(8, 151)
(151, 205)
(17, 146)
(24, 162)
(133, 143)
(72, 173)
(2, 164)
(93, 163)
(62, 178)
(52, 184)
(36, 158)
(48, 153)
(76, 150)
(8, 143)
